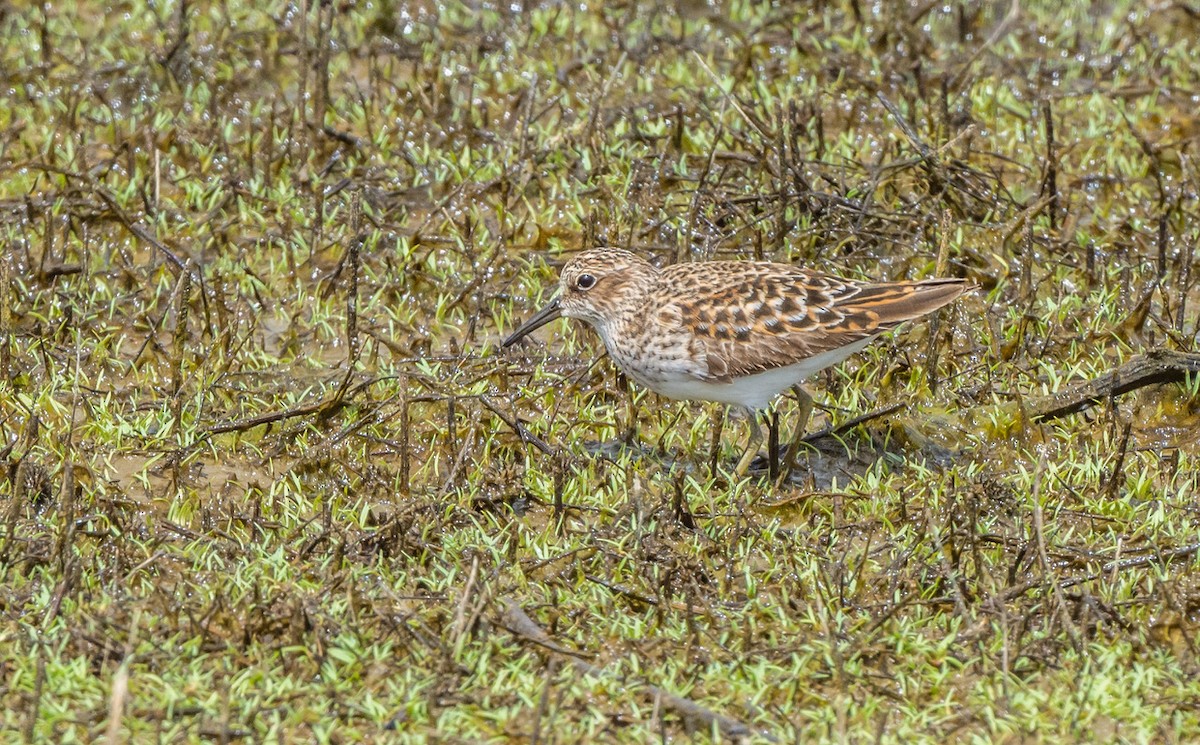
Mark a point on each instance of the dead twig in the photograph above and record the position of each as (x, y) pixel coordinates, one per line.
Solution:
(1158, 557)
(1039, 532)
(851, 423)
(515, 425)
(241, 425)
(1154, 368)
(517, 621)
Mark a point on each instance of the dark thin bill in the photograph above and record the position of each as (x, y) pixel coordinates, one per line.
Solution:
(544, 316)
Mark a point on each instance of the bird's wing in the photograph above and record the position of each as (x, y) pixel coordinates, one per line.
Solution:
(750, 317)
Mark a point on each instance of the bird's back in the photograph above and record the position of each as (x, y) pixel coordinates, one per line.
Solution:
(750, 317)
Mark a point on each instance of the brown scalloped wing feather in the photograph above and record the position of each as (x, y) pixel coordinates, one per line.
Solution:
(748, 318)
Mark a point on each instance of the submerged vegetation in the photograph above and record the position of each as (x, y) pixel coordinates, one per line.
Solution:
(266, 474)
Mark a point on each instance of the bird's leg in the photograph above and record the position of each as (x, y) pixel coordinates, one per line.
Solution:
(805, 413)
(629, 436)
(773, 444)
(756, 439)
(715, 453)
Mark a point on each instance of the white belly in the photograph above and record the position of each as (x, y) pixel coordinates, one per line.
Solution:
(754, 391)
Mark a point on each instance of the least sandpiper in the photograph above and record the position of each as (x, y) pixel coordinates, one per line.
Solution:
(735, 332)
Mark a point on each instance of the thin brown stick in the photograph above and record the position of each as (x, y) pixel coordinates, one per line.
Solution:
(1158, 557)
(517, 621)
(515, 425)
(1159, 366)
(241, 425)
(850, 424)
(1039, 532)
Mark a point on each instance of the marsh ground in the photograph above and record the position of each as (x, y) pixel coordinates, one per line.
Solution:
(267, 476)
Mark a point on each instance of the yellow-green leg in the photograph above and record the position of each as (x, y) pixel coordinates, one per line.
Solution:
(756, 439)
(802, 417)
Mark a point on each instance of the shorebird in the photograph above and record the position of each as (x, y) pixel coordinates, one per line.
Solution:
(735, 332)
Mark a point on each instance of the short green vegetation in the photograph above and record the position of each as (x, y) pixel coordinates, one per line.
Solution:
(266, 477)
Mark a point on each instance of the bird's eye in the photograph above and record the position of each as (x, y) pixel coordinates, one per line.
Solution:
(585, 281)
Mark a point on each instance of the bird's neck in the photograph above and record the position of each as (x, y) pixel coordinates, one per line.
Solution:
(628, 318)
